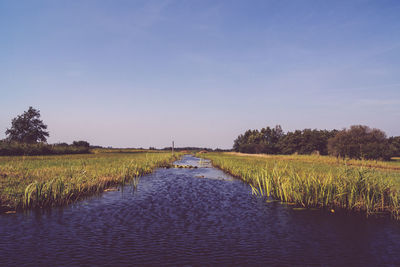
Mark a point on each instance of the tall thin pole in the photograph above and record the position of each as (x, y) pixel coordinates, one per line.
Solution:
(172, 147)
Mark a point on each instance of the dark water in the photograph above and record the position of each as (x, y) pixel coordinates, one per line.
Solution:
(178, 217)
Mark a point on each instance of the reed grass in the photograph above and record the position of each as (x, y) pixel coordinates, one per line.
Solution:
(43, 181)
(393, 164)
(317, 181)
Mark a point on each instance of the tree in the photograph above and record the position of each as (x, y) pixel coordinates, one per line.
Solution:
(360, 142)
(61, 144)
(81, 143)
(263, 141)
(28, 128)
(306, 141)
(395, 143)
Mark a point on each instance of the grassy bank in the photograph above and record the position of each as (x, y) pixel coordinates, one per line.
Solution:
(318, 181)
(42, 181)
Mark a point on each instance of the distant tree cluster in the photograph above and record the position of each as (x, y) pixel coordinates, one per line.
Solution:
(358, 141)
(264, 141)
(361, 142)
(306, 141)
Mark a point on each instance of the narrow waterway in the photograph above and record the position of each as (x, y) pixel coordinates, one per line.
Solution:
(193, 217)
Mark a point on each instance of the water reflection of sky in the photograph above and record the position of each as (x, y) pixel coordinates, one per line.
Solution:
(204, 170)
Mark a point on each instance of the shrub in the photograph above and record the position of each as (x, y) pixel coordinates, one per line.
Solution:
(19, 149)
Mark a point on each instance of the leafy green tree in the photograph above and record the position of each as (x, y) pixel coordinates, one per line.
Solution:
(264, 141)
(270, 138)
(27, 128)
(360, 142)
(306, 141)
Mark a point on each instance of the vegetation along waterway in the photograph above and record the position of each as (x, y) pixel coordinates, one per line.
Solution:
(193, 216)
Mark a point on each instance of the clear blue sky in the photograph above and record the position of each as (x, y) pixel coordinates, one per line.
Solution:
(143, 73)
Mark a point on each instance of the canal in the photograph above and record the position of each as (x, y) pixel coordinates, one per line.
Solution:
(193, 217)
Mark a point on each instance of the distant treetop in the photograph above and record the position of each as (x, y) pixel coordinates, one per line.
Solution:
(81, 143)
(359, 142)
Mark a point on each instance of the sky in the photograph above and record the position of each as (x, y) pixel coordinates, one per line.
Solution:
(144, 73)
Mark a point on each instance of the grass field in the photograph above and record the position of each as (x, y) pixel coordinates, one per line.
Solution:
(318, 181)
(42, 181)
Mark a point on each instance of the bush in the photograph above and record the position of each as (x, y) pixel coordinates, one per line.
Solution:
(19, 149)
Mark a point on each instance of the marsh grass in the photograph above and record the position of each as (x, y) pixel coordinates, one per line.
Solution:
(316, 183)
(43, 181)
(393, 164)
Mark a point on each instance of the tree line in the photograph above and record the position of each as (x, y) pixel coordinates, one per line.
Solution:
(359, 141)
(28, 135)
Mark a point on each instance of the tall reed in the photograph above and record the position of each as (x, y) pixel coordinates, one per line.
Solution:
(42, 181)
(316, 184)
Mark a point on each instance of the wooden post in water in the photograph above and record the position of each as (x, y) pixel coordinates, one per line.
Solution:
(172, 147)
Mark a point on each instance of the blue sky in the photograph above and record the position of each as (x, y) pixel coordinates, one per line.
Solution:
(144, 73)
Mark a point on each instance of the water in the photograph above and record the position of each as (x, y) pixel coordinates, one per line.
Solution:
(193, 217)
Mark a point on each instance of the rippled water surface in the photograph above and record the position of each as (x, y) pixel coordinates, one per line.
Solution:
(193, 217)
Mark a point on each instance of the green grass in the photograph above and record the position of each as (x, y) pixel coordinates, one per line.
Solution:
(43, 181)
(318, 181)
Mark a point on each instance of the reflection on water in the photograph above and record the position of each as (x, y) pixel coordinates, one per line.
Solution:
(193, 217)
